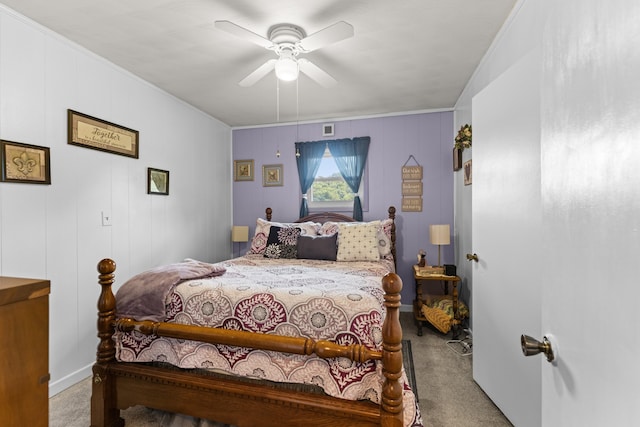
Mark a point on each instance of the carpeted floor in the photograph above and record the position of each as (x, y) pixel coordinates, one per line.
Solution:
(448, 395)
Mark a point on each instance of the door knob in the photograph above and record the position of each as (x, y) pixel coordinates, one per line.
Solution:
(531, 346)
(472, 257)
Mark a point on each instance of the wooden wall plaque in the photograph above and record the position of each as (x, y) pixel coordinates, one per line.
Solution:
(411, 187)
(412, 173)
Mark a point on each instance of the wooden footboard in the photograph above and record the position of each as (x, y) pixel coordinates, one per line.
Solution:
(119, 385)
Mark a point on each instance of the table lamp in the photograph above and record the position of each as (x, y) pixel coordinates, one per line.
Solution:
(439, 235)
(240, 233)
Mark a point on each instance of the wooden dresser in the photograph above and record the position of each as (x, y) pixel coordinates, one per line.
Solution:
(24, 352)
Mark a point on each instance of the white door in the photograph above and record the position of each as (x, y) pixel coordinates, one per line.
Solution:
(506, 237)
(591, 212)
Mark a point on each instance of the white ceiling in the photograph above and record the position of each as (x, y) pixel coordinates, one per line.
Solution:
(406, 55)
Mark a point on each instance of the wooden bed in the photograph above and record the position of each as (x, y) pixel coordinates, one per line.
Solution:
(228, 399)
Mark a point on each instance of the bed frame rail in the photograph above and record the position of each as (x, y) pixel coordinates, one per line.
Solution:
(284, 344)
(118, 385)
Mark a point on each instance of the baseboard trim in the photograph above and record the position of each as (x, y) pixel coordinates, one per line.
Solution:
(64, 383)
(406, 307)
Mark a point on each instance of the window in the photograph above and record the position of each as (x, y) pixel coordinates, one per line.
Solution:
(329, 191)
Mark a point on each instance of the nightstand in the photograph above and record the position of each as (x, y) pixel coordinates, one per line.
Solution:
(423, 274)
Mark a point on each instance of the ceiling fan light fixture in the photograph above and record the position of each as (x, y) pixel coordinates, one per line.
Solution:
(288, 41)
(287, 69)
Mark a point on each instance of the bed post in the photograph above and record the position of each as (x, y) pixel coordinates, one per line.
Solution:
(391, 414)
(103, 410)
(392, 217)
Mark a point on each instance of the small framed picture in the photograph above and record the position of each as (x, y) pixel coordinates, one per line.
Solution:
(327, 129)
(243, 170)
(157, 181)
(467, 172)
(25, 163)
(271, 175)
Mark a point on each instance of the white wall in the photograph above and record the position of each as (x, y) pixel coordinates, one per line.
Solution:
(518, 36)
(54, 231)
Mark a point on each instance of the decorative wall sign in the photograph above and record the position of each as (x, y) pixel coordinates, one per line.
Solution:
(411, 187)
(90, 132)
(411, 172)
(412, 204)
(467, 172)
(24, 163)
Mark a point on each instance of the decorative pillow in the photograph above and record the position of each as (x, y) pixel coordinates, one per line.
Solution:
(318, 247)
(328, 228)
(259, 241)
(384, 238)
(357, 241)
(282, 242)
(383, 235)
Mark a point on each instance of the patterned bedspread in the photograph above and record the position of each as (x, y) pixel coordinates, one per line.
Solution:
(337, 301)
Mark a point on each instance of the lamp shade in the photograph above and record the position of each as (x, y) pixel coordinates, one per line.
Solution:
(439, 234)
(240, 233)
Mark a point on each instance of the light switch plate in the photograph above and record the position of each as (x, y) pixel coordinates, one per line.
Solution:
(106, 219)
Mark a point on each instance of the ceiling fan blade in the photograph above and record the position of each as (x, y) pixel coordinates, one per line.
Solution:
(258, 74)
(243, 33)
(316, 73)
(332, 34)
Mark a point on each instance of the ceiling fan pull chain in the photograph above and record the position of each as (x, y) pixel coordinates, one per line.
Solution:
(297, 113)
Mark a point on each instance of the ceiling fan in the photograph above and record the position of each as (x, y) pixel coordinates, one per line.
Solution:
(288, 41)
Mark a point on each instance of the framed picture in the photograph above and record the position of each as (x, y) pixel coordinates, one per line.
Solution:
(271, 175)
(25, 163)
(90, 132)
(327, 129)
(467, 172)
(457, 159)
(157, 181)
(243, 170)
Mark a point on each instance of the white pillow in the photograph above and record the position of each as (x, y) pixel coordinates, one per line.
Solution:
(358, 241)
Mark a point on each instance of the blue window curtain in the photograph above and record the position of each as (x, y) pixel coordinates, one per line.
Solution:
(308, 162)
(351, 156)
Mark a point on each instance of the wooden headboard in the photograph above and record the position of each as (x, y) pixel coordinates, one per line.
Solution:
(320, 217)
(323, 217)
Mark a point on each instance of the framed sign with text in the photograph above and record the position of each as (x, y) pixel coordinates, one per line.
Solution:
(411, 172)
(90, 132)
(412, 186)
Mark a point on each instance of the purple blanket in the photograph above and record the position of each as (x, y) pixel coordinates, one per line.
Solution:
(143, 296)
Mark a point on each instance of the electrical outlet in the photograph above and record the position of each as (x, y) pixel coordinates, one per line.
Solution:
(106, 219)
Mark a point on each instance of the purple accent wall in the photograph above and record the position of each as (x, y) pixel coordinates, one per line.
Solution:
(427, 136)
